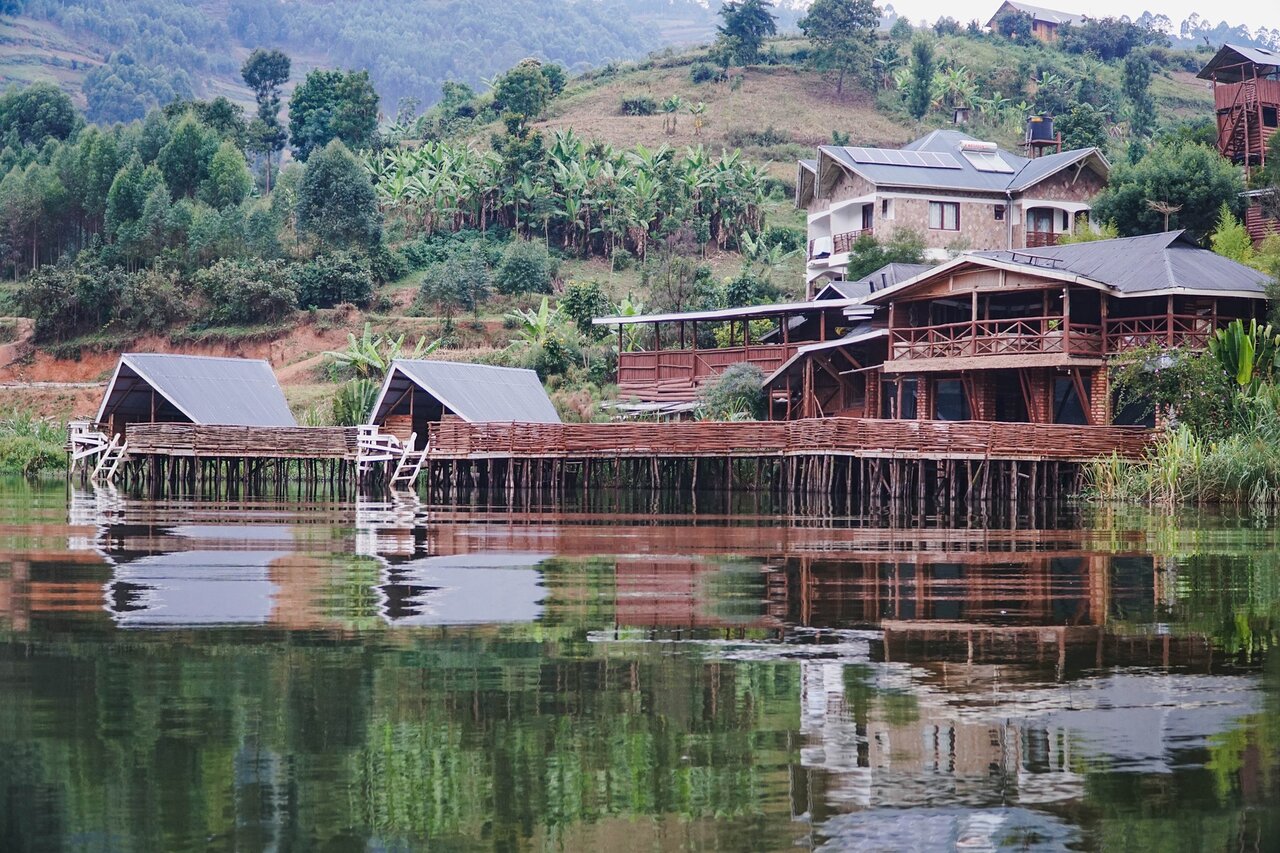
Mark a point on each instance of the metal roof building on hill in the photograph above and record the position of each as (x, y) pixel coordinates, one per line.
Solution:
(199, 389)
(948, 159)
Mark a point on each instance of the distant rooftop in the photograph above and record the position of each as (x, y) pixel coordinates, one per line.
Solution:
(951, 159)
(1039, 13)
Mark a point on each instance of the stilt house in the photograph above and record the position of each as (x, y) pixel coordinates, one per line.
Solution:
(417, 394)
(1024, 336)
(164, 388)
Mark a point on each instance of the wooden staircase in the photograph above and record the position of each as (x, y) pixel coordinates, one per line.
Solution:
(405, 475)
(1240, 133)
(109, 462)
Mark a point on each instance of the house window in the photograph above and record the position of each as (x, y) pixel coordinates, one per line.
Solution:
(886, 208)
(999, 213)
(944, 215)
(1269, 117)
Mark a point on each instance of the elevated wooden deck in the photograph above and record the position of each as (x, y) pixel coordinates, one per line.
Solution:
(242, 442)
(862, 437)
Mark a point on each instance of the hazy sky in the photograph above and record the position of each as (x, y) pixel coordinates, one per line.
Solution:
(1254, 13)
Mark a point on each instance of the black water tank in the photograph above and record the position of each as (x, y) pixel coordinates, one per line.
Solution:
(1040, 129)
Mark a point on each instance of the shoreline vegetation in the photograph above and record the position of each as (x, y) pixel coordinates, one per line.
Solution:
(31, 445)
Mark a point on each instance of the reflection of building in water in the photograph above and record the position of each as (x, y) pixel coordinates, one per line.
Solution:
(461, 589)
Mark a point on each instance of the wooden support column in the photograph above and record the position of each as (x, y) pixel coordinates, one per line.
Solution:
(973, 321)
(1168, 321)
(1103, 301)
(1066, 319)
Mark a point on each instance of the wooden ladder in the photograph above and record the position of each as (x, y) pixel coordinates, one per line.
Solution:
(109, 462)
(410, 464)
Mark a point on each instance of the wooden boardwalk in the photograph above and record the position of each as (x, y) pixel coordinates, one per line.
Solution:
(861, 437)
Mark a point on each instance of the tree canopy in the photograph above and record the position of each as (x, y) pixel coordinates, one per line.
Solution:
(844, 33)
(331, 105)
(336, 202)
(745, 24)
(1177, 173)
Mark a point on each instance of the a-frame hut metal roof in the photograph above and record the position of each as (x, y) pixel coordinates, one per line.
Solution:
(477, 393)
(1229, 64)
(201, 389)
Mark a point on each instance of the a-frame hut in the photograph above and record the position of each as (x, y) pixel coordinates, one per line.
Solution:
(417, 394)
(163, 388)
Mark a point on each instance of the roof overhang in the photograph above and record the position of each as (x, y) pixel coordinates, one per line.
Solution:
(126, 361)
(749, 312)
(1082, 158)
(885, 295)
(824, 345)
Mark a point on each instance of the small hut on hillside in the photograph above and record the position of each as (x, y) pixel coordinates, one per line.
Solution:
(163, 388)
(419, 393)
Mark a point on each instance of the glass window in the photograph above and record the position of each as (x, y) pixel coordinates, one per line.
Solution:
(999, 213)
(944, 215)
(950, 402)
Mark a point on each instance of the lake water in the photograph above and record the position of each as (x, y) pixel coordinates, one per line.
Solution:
(387, 676)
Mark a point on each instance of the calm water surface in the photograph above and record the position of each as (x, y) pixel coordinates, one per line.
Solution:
(385, 677)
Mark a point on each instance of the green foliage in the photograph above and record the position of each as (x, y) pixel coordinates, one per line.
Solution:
(1178, 173)
(1189, 387)
(185, 159)
(332, 105)
(901, 29)
(68, 299)
(1231, 239)
(641, 105)
(737, 394)
(337, 204)
(265, 71)
(869, 254)
(370, 357)
(228, 182)
(333, 279)
(1137, 91)
(353, 404)
(152, 300)
(1246, 354)
(1108, 38)
(745, 24)
(30, 445)
(31, 115)
(123, 89)
(1013, 25)
(247, 292)
(526, 267)
(920, 89)
(461, 280)
(582, 302)
(524, 90)
(705, 72)
(1083, 126)
(843, 31)
(1087, 234)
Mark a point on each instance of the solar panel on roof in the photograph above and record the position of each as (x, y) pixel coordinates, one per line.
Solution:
(896, 157)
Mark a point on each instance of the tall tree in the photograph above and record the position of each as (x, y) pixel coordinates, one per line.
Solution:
(524, 90)
(185, 158)
(265, 71)
(920, 89)
(746, 24)
(229, 180)
(32, 114)
(336, 201)
(332, 105)
(1137, 90)
(844, 32)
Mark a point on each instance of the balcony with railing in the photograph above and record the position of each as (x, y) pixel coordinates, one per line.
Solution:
(1167, 330)
(843, 242)
(1040, 239)
(974, 338)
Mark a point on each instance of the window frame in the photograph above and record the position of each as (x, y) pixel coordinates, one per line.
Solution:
(942, 207)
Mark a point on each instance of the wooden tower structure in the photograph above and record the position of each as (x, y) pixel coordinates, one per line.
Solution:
(1246, 99)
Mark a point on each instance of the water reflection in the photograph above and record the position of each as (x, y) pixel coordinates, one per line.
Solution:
(387, 676)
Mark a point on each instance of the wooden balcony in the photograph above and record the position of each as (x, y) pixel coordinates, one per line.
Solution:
(1041, 239)
(1024, 336)
(1176, 330)
(844, 242)
(678, 373)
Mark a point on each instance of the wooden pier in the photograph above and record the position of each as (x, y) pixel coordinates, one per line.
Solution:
(838, 462)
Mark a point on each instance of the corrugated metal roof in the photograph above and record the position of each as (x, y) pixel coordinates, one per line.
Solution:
(887, 276)
(857, 335)
(1038, 13)
(771, 310)
(1147, 264)
(1268, 62)
(1025, 172)
(224, 391)
(479, 393)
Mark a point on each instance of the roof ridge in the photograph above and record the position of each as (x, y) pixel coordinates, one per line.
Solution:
(192, 355)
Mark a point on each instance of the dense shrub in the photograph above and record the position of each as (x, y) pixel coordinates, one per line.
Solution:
(461, 280)
(29, 445)
(766, 137)
(386, 265)
(247, 292)
(354, 401)
(705, 72)
(582, 302)
(526, 267)
(333, 279)
(152, 301)
(735, 395)
(790, 239)
(639, 106)
(69, 299)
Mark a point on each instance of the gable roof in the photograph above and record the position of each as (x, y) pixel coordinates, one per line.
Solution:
(887, 276)
(208, 390)
(1023, 173)
(1148, 265)
(1038, 13)
(1229, 55)
(477, 393)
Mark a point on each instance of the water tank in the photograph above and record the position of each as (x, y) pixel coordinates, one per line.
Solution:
(1040, 129)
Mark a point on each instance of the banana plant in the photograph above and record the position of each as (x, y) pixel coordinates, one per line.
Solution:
(370, 356)
(1246, 354)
